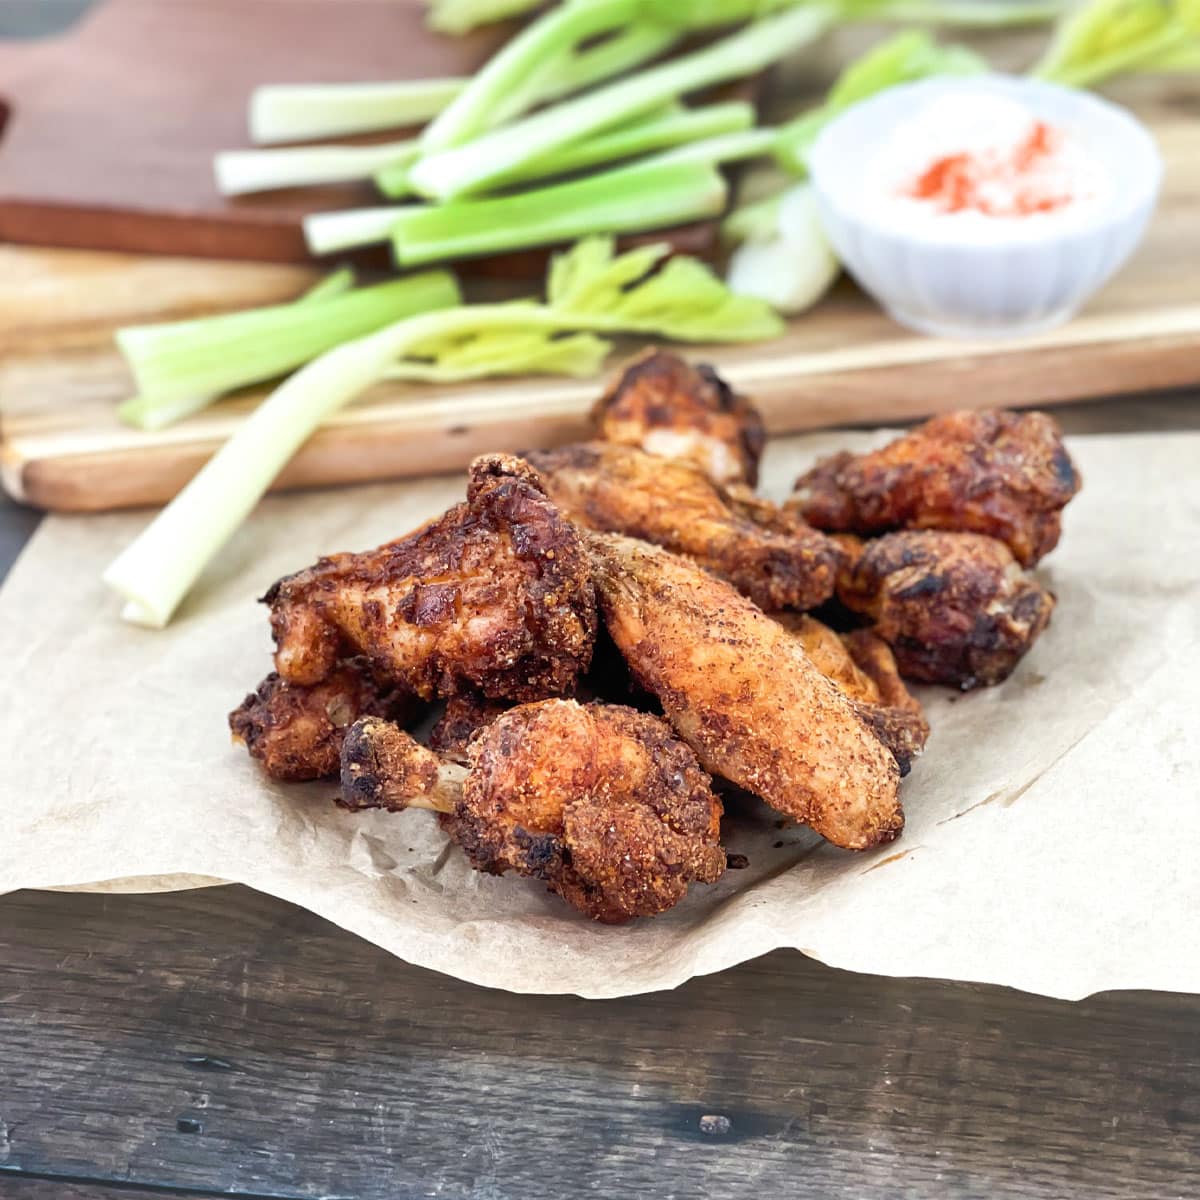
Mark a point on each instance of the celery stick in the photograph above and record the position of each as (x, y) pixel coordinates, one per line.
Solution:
(327, 232)
(728, 147)
(212, 355)
(653, 132)
(626, 49)
(241, 171)
(640, 197)
(298, 112)
(461, 16)
(546, 41)
(589, 291)
(456, 171)
(147, 414)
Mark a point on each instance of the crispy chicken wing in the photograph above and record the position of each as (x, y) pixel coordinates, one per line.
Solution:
(739, 689)
(774, 558)
(296, 732)
(494, 597)
(666, 407)
(864, 670)
(601, 802)
(464, 717)
(1004, 474)
(956, 608)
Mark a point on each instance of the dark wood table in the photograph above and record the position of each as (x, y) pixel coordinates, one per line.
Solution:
(220, 1042)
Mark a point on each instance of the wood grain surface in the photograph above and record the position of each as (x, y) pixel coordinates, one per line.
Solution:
(225, 1043)
(113, 124)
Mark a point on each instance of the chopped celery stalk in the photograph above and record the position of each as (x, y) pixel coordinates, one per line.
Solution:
(977, 14)
(901, 59)
(626, 49)
(302, 112)
(212, 355)
(792, 267)
(241, 171)
(656, 131)
(1103, 38)
(538, 48)
(644, 196)
(590, 290)
(754, 222)
(334, 284)
(148, 414)
(458, 170)
(328, 232)
(461, 16)
(727, 147)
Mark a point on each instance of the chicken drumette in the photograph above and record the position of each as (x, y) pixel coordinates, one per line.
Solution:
(771, 556)
(739, 689)
(956, 608)
(864, 669)
(494, 597)
(296, 732)
(601, 802)
(1003, 474)
(666, 407)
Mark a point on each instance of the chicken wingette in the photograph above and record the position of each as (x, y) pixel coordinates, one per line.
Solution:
(956, 608)
(494, 597)
(740, 690)
(602, 803)
(663, 405)
(1004, 474)
(774, 558)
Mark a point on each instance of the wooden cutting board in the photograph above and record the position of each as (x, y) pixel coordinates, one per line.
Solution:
(61, 446)
(112, 126)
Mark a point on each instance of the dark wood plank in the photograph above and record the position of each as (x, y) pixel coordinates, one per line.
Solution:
(29, 1187)
(304, 1062)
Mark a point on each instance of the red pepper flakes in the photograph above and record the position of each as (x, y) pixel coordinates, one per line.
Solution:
(995, 185)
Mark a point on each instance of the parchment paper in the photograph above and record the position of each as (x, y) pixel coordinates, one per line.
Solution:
(1051, 837)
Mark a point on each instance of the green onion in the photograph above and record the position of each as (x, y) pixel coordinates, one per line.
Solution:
(474, 166)
(644, 196)
(590, 290)
(241, 171)
(300, 112)
(213, 355)
(652, 132)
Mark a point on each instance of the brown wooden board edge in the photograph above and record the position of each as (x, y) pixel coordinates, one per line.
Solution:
(400, 447)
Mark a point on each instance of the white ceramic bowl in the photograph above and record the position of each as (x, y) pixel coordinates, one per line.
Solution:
(1017, 282)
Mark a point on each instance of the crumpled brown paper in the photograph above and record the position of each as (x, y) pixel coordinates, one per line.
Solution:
(1051, 828)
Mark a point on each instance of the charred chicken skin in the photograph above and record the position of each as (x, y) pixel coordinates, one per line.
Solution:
(464, 717)
(739, 689)
(296, 732)
(666, 407)
(1003, 474)
(494, 597)
(601, 802)
(771, 556)
(956, 608)
(864, 670)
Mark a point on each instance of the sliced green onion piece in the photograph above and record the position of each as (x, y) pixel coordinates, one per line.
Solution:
(212, 355)
(302, 112)
(470, 167)
(242, 171)
(644, 196)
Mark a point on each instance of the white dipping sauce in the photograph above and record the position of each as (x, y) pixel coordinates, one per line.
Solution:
(976, 163)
